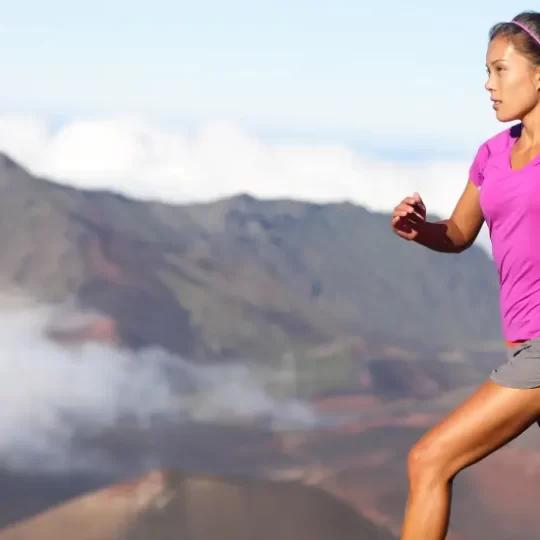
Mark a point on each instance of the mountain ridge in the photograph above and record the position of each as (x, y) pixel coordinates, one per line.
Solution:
(309, 273)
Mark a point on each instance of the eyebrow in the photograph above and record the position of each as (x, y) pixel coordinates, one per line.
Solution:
(498, 60)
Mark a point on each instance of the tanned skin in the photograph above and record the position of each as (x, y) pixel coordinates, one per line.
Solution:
(493, 415)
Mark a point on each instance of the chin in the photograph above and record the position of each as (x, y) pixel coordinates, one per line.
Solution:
(502, 117)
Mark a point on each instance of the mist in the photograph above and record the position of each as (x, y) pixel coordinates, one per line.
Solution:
(51, 393)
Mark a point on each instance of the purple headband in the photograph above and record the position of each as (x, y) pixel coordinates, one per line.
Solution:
(527, 31)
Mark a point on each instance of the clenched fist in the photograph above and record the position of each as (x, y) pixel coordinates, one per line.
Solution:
(408, 217)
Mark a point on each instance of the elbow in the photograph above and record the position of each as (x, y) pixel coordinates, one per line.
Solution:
(460, 239)
(464, 245)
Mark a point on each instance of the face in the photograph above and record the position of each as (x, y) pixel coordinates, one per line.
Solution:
(513, 81)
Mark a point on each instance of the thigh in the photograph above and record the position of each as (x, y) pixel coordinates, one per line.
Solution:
(492, 416)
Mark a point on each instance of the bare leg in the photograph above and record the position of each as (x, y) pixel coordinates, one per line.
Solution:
(491, 417)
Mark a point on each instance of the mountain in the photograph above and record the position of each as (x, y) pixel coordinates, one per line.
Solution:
(167, 505)
(238, 277)
(391, 335)
(26, 493)
(362, 464)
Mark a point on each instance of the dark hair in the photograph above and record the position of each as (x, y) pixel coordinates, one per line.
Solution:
(524, 43)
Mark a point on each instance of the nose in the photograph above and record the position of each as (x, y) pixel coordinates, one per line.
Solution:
(489, 86)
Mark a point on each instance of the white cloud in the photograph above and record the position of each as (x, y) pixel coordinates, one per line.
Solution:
(135, 157)
(50, 393)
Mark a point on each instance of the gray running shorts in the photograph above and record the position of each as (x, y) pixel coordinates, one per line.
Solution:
(522, 368)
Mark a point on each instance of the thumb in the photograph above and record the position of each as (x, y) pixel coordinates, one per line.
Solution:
(417, 198)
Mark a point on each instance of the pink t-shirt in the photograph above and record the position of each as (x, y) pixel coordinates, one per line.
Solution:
(510, 201)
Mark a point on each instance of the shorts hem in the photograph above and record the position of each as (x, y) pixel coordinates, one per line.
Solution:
(509, 383)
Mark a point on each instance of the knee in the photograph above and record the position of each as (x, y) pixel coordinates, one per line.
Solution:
(428, 463)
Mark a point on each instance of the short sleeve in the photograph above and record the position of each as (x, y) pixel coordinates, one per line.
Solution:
(476, 170)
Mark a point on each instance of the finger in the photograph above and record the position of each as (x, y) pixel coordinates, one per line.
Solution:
(417, 209)
(404, 225)
(405, 235)
(407, 207)
(410, 201)
(409, 224)
(420, 206)
(415, 219)
(401, 223)
(399, 211)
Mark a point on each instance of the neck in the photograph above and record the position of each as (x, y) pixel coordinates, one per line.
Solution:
(531, 128)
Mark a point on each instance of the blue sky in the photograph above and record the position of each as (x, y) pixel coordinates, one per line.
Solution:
(341, 67)
(194, 100)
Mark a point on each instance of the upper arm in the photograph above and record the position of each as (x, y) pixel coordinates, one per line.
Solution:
(467, 218)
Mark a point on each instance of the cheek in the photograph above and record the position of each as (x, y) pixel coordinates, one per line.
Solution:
(513, 83)
(518, 90)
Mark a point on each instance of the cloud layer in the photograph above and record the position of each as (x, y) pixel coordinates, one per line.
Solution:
(49, 393)
(143, 160)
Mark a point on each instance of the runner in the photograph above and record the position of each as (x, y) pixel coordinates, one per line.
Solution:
(504, 190)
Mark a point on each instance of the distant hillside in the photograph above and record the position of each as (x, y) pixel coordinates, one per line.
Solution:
(239, 277)
(167, 506)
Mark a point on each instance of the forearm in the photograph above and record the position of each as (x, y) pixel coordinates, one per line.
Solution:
(442, 236)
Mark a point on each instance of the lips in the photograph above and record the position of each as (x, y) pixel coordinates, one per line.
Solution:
(496, 103)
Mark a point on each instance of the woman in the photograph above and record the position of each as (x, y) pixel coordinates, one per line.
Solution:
(504, 189)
